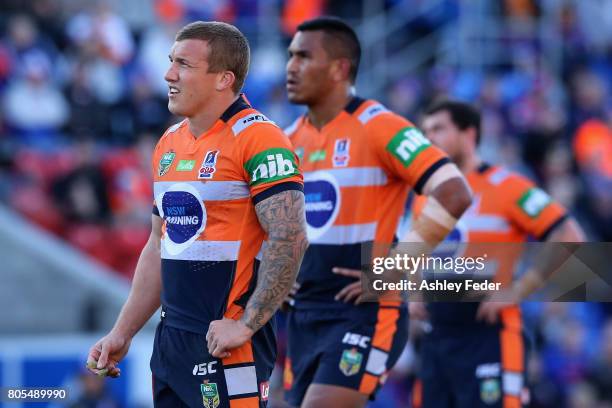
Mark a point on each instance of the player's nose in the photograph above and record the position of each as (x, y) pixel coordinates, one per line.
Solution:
(291, 67)
(171, 74)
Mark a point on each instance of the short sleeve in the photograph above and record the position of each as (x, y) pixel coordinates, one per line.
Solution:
(532, 209)
(270, 166)
(404, 152)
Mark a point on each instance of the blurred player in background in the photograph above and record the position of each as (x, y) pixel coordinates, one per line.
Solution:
(359, 161)
(223, 178)
(474, 355)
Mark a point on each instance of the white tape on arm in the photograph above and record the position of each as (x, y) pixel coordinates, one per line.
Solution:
(446, 172)
(434, 210)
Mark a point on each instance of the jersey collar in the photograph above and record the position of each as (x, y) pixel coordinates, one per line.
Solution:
(354, 104)
(239, 105)
(483, 167)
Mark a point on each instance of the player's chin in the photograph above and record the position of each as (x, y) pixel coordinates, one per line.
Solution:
(296, 98)
(175, 108)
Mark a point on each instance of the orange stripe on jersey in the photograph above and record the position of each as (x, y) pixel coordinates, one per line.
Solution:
(240, 355)
(287, 374)
(512, 350)
(511, 401)
(386, 326)
(512, 354)
(368, 384)
(355, 210)
(250, 402)
(417, 394)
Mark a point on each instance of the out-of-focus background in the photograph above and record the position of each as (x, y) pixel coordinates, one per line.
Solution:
(84, 101)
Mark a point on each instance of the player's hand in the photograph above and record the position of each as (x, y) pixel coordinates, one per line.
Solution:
(289, 299)
(224, 335)
(417, 311)
(353, 291)
(106, 353)
(490, 308)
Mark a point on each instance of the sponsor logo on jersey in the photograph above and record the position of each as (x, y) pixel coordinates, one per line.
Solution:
(185, 165)
(355, 339)
(322, 196)
(350, 362)
(184, 214)
(490, 390)
(205, 368)
(210, 395)
(341, 153)
(165, 162)
(271, 165)
(488, 370)
(534, 201)
(264, 390)
(407, 144)
(209, 165)
(371, 113)
(249, 120)
(317, 155)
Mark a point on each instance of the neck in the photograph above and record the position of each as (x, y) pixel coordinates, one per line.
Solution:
(208, 115)
(327, 108)
(469, 164)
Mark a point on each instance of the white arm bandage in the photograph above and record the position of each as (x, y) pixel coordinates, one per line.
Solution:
(444, 173)
(433, 224)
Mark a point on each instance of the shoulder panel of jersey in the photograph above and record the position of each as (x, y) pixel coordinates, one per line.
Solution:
(268, 162)
(402, 149)
(528, 206)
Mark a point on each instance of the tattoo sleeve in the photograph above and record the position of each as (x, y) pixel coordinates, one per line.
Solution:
(282, 217)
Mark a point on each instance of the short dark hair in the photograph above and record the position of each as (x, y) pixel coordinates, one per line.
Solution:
(229, 48)
(341, 41)
(462, 114)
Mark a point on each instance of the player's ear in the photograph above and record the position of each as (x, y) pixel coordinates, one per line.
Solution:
(225, 80)
(341, 69)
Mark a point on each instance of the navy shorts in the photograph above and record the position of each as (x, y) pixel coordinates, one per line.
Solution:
(479, 368)
(186, 375)
(353, 347)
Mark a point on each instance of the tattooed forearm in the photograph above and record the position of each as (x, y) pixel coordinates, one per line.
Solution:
(282, 217)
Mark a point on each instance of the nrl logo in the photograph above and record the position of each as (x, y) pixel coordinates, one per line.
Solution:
(350, 363)
(210, 395)
(165, 162)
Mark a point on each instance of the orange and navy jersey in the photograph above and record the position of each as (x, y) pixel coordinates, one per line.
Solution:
(506, 208)
(206, 189)
(358, 171)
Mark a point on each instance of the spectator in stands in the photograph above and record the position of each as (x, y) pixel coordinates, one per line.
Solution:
(35, 108)
(81, 194)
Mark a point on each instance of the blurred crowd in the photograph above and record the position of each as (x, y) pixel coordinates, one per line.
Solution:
(84, 101)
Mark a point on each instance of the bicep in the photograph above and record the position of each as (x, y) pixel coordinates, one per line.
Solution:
(282, 215)
(156, 232)
(448, 186)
